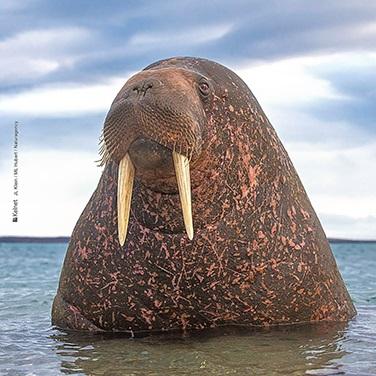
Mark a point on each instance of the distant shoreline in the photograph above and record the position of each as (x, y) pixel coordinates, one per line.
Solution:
(65, 239)
(336, 240)
(34, 239)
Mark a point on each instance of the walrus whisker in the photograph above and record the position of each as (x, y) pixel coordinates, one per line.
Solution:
(109, 132)
(102, 161)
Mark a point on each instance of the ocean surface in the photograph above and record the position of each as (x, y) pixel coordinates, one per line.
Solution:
(30, 346)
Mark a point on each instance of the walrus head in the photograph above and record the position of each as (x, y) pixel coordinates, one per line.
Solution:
(155, 129)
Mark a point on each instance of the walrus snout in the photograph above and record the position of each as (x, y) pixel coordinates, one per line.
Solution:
(148, 155)
(162, 105)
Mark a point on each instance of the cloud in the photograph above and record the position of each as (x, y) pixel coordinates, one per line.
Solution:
(288, 81)
(345, 227)
(63, 100)
(339, 181)
(32, 54)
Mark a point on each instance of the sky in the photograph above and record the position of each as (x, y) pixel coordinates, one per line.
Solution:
(310, 64)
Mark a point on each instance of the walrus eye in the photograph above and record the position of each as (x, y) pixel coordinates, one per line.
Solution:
(204, 88)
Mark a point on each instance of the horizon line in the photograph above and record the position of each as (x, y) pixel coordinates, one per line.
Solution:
(66, 239)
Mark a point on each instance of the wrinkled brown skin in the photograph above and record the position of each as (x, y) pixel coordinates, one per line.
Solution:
(259, 256)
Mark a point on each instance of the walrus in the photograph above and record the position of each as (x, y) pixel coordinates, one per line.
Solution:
(199, 219)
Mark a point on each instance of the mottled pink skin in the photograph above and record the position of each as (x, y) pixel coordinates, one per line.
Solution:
(259, 256)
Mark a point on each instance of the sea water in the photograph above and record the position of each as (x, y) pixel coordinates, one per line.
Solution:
(29, 275)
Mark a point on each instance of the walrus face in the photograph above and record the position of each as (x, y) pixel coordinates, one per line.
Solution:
(154, 129)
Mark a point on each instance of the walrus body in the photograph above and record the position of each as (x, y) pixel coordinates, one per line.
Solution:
(259, 255)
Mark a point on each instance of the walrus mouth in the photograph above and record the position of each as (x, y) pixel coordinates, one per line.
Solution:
(125, 186)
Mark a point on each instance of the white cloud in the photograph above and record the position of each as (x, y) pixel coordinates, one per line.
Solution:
(64, 100)
(54, 188)
(344, 172)
(288, 82)
(294, 82)
(345, 227)
(35, 53)
(340, 183)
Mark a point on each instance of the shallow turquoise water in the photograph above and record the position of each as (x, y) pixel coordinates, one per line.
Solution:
(29, 346)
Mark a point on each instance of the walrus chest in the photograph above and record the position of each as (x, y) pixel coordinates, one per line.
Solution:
(177, 286)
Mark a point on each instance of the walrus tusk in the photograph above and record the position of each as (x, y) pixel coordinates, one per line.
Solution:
(181, 164)
(124, 195)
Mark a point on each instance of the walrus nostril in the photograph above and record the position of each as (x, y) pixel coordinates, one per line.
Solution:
(147, 85)
(147, 155)
(143, 87)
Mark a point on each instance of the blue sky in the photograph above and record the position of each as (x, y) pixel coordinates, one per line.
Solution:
(311, 65)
